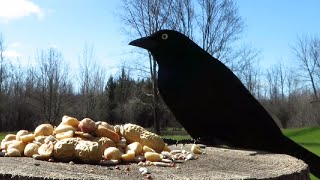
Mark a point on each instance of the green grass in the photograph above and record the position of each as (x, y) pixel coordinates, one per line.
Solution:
(2, 135)
(307, 137)
(176, 137)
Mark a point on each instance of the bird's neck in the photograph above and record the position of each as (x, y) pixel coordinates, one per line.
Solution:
(172, 67)
(172, 61)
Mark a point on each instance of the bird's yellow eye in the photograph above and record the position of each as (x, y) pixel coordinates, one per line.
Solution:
(164, 36)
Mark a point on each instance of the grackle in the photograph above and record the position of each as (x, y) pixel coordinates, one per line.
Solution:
(211, 103)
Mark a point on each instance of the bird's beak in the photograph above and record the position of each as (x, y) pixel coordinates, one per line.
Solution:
(144, 42)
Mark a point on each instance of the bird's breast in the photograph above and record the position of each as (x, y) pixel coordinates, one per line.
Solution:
(177, 86)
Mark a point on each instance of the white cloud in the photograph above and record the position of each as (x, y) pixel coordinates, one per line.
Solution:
(16, 9)
(11, 54)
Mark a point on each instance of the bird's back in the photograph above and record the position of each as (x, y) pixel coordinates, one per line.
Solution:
(209, 100)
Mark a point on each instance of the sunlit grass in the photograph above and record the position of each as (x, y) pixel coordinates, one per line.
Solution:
(307, 137)
(2, 135)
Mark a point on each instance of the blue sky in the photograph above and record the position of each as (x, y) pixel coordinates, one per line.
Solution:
(31, 25)
(273, 26)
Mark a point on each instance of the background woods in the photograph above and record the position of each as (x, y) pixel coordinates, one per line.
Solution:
(47, 90)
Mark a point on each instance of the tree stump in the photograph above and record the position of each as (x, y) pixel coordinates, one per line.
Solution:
(216, 163)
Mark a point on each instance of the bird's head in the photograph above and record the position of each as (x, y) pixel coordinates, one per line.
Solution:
(164, 43)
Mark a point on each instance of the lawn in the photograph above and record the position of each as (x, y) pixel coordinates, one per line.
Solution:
(2, 135)
(307, 137)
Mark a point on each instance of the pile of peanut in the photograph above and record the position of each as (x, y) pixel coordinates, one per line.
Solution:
(93, 142)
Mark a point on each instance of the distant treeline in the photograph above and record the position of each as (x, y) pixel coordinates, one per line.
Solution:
(44, 92)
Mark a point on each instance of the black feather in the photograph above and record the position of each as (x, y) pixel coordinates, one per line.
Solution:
(211, 103)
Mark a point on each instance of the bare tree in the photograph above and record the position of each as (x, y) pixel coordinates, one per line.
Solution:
(218, 24)
(314, 51)
(220, 27)
(307, 60)
(91, 82)
(292, 82)
(53, 84)
(272, 76)
(4, 75)
(305, 99)
(183, 17)
(4, 69)
(247, 69)
(1, 78)
(30, 82)
(17, 103)
(282, 77)
(278, 103)
(279, 82)
(145, 18)
(30, 110)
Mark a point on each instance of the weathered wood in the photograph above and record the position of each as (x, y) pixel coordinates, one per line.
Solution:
(217, 163)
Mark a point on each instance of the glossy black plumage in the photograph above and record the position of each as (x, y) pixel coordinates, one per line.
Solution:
(211, 103)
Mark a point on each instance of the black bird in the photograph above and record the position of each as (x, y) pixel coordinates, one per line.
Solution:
(211, 103)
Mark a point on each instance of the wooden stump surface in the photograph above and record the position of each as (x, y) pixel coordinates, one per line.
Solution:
(217, 163)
